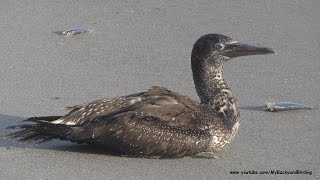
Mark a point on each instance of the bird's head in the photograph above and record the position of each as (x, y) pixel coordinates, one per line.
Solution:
(217, 48)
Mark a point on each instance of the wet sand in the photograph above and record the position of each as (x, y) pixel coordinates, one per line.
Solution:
(137, 44)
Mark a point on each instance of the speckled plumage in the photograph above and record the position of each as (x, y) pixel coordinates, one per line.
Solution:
(157, 123)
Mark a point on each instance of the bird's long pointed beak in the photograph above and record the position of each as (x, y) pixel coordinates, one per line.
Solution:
(240, 49)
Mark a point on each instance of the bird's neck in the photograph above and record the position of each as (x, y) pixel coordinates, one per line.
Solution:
(213, 91)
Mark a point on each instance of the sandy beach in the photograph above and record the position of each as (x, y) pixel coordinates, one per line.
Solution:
(138, 44)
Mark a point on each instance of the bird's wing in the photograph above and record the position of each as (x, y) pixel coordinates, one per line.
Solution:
(141, 135)
(167, 106)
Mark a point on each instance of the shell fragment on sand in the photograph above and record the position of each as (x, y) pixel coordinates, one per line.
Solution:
(284, 106)
(74, 31)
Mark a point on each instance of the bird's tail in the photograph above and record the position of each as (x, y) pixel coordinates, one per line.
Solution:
(40, 131)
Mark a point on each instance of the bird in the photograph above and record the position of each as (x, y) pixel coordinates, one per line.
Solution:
(157, 123)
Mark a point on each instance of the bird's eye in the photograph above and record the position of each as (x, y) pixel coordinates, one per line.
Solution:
(219, 46)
